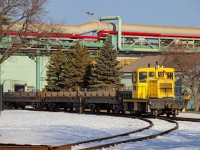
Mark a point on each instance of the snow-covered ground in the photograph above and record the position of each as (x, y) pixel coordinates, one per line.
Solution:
(58, 128)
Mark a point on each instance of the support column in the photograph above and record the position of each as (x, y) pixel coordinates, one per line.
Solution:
(1, 98)
(0, 75)
(38, 70)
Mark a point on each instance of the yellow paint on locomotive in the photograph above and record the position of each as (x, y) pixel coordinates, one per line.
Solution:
(154, 82)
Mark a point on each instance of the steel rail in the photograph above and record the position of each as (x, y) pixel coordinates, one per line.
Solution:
(137, 139)
(24, 147)
(69, 146)
(185, 119)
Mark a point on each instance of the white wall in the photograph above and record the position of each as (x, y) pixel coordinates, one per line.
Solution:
(24, 69)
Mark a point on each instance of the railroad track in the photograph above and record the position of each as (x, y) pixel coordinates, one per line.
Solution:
(24, 147)
(185, 119)
(69, 146)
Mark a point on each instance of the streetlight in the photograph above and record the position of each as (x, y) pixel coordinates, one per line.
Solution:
(90, 14)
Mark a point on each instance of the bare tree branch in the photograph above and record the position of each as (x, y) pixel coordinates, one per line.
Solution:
(21, 17)
(188, 64)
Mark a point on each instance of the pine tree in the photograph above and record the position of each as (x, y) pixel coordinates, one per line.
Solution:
(54, 71)
(89, 76)
(105, 74)
(75, 67)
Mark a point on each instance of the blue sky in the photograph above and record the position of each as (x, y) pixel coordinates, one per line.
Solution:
(181, 13)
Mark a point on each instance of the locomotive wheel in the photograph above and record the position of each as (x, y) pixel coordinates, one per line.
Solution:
(155, 113)
(175, 113)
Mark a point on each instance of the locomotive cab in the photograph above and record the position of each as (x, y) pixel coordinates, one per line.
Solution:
(153, 83)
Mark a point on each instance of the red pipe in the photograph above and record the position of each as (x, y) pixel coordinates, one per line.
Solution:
(101, 33)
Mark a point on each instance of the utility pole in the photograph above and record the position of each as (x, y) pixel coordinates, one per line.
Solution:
(90, 14)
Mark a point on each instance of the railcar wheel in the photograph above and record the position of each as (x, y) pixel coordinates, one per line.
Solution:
(108, 110)
(10, 106)
(65, 108)
(168, 114)
(123, 112)
(56, 108)
(92, 108)
(71, 108)
(116, 109)
(22, 107)
(77, 109)
(98, 110)
(50, 107)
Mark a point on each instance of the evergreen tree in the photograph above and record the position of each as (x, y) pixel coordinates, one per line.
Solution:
(105, 74)
(75, 68)
(89, 78)
(54, 71)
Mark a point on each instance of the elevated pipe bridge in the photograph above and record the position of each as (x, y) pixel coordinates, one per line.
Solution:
(127, 38)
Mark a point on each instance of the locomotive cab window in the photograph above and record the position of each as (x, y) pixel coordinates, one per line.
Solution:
(160, 74)
(143, 76)
(170, 75)
(151, 74)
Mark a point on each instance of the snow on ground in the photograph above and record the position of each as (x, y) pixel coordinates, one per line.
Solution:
(57, 128)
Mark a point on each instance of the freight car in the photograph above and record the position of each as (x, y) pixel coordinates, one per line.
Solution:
(153, 92)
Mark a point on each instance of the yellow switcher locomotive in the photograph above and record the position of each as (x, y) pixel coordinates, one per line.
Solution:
(153, 91)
